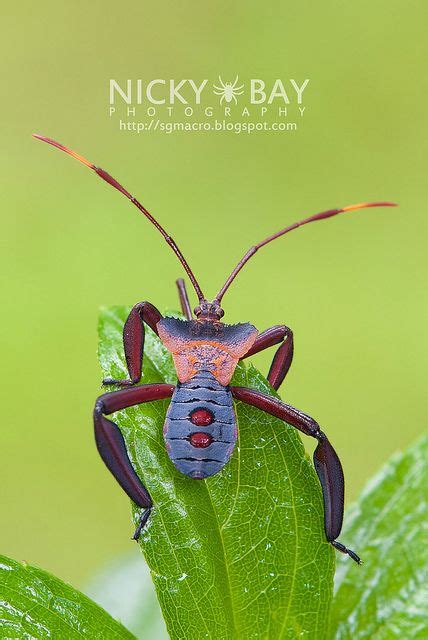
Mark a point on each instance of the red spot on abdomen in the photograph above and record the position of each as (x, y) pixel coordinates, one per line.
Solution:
(201, 417)
(200, 440)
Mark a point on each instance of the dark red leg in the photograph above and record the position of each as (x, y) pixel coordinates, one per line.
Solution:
(184, 299)
(133, 341)
(326, 461)
(111, 445)
(284, 355)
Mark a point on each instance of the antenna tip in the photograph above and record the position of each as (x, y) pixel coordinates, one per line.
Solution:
(366, 205)
(62, 147)
(48, 140)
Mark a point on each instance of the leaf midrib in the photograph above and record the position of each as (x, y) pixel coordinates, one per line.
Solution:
(225, 563)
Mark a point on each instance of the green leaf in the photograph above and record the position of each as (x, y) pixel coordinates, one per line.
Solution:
(388, 597)
(125, 589)
(36, 605)
(242, 554)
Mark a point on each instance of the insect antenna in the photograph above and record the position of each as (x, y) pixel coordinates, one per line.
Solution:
(278, 234)
(108, 178)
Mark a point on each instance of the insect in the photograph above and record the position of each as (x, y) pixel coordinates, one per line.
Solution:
(228, 91)
(200, 428)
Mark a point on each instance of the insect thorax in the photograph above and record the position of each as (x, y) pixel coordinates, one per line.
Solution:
(199, 345)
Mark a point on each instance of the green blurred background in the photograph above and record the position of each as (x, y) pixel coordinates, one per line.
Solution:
(353, 289)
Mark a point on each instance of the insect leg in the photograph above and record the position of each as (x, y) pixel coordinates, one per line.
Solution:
(326, 460)
(284, 355)
(133, 341)
(184, 299)
(111, 445)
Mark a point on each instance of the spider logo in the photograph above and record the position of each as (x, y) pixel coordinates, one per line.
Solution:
(228, 91)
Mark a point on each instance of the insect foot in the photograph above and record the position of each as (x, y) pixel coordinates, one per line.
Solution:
(341, 547)
(107, 382)
(142, 523)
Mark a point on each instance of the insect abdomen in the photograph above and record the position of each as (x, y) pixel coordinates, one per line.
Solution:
(200, 428)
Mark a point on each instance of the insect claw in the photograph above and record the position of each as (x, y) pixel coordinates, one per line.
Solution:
(142, 522)
(341, 547)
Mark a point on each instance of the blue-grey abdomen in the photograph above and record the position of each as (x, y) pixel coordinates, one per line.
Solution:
(200, 428)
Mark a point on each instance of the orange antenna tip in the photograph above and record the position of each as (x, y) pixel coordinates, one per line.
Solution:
(366, 205)
(60, 146)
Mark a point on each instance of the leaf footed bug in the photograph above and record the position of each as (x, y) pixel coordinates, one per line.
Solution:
(200, 428)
